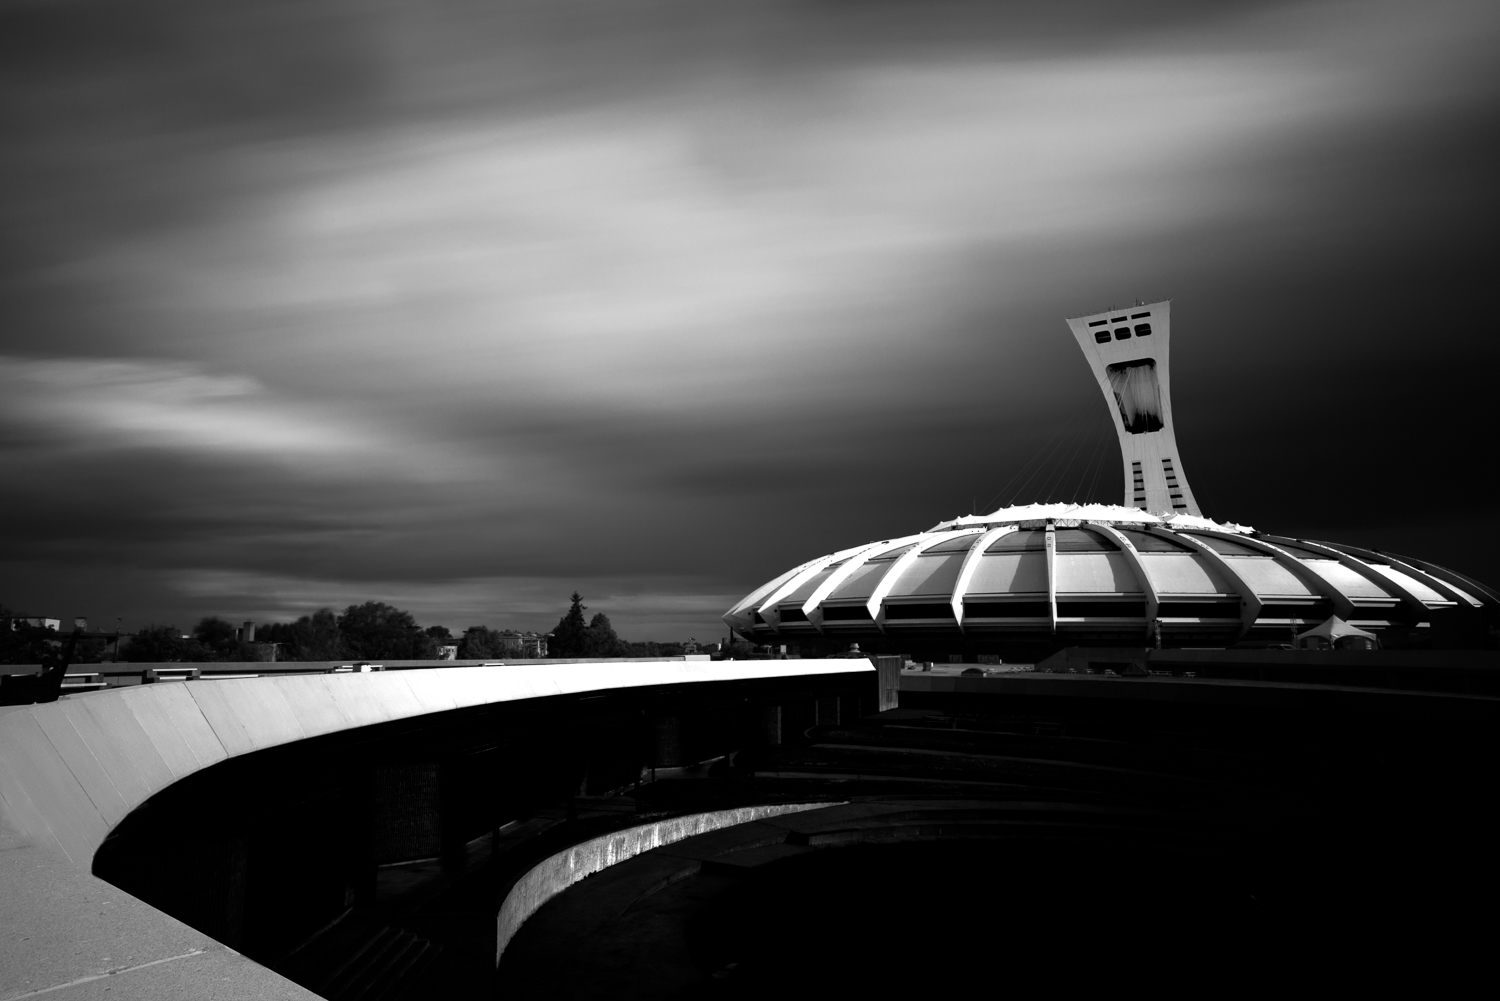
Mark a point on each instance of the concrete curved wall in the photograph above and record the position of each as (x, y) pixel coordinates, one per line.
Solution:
(556, 873)
(73, 769)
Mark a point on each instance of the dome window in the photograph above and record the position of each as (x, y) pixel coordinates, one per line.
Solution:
(1121, 333)
(1101, 336)
(1143, 330)
(1078, 540)
(1145, 542)
(1024, 541)
(933, 610)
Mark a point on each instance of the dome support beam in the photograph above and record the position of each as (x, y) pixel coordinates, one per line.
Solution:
(768, 610)
(1310, 579)
(1153, 604)
(813, 606)
(876, 604)
(1052, 572)
(1413, 604)
(1250, 603)
(1444, 587)
(970, 565)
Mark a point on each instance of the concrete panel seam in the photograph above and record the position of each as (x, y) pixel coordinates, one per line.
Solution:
(107, 973)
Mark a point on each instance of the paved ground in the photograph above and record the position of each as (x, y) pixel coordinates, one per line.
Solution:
(53, 916)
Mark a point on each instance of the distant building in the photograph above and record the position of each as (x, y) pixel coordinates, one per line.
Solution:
(35, 621)
(521, 645)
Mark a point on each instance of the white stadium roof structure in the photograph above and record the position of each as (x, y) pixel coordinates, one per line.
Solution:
(1025, 580)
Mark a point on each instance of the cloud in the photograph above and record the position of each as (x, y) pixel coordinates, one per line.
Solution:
(666, 302)
(105, 405)
(672, 252)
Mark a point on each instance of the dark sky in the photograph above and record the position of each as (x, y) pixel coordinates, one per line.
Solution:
(465, 305)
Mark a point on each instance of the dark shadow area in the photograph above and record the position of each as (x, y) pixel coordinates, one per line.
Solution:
(1025, 912)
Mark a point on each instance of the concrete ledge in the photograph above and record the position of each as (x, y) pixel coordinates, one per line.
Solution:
(71, 770)
(553, 875)
(1204, 691)
(66, 935)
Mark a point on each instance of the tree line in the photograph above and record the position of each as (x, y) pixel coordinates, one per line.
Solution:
(370, 631)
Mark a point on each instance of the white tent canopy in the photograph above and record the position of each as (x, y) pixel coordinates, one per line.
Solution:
(1335, 633)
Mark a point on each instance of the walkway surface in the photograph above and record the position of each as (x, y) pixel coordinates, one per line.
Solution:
(66, 935)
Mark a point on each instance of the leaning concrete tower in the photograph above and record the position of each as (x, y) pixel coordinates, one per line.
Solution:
(1128, 349)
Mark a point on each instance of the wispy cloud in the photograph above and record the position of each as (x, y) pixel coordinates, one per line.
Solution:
(104, 405)
(485, 301)
(661, 252)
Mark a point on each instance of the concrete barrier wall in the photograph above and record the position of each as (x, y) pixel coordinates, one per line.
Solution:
(73, 769)
(555, 874)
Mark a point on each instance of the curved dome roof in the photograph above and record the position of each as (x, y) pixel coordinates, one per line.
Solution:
(1098, 572)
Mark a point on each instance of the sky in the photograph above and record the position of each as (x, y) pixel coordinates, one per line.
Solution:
(465, 306)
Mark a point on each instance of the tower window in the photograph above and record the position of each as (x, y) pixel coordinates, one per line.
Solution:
(1142, 329)
(1097, 323)
(1121, 333)
(1102, 336)
(1137, 316)
(1137, 394)
(1117, 319)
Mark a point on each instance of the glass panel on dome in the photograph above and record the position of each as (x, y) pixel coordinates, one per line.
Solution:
(1024, 541)
(958, 544)
(1078, 540)
(892, 555)
(1298, 551)
(1146, 542)
(1224, 547)
(1137, 394)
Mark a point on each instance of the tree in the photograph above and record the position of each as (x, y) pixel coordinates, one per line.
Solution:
(377, 630)
(219, 637)
(163, 645)
(312, 637)
(599, 639)
(569, 637)
(23, 643)
(480, 643)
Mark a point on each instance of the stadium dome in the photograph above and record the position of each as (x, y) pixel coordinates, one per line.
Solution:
(1026, 580)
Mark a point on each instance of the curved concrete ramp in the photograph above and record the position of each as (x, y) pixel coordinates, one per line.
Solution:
(73, 769)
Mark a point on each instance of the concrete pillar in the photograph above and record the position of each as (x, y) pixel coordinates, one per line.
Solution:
(888, 673)
(667, 749)
(455, 799)
(827, 710)
(770, 725)
(406, 812)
